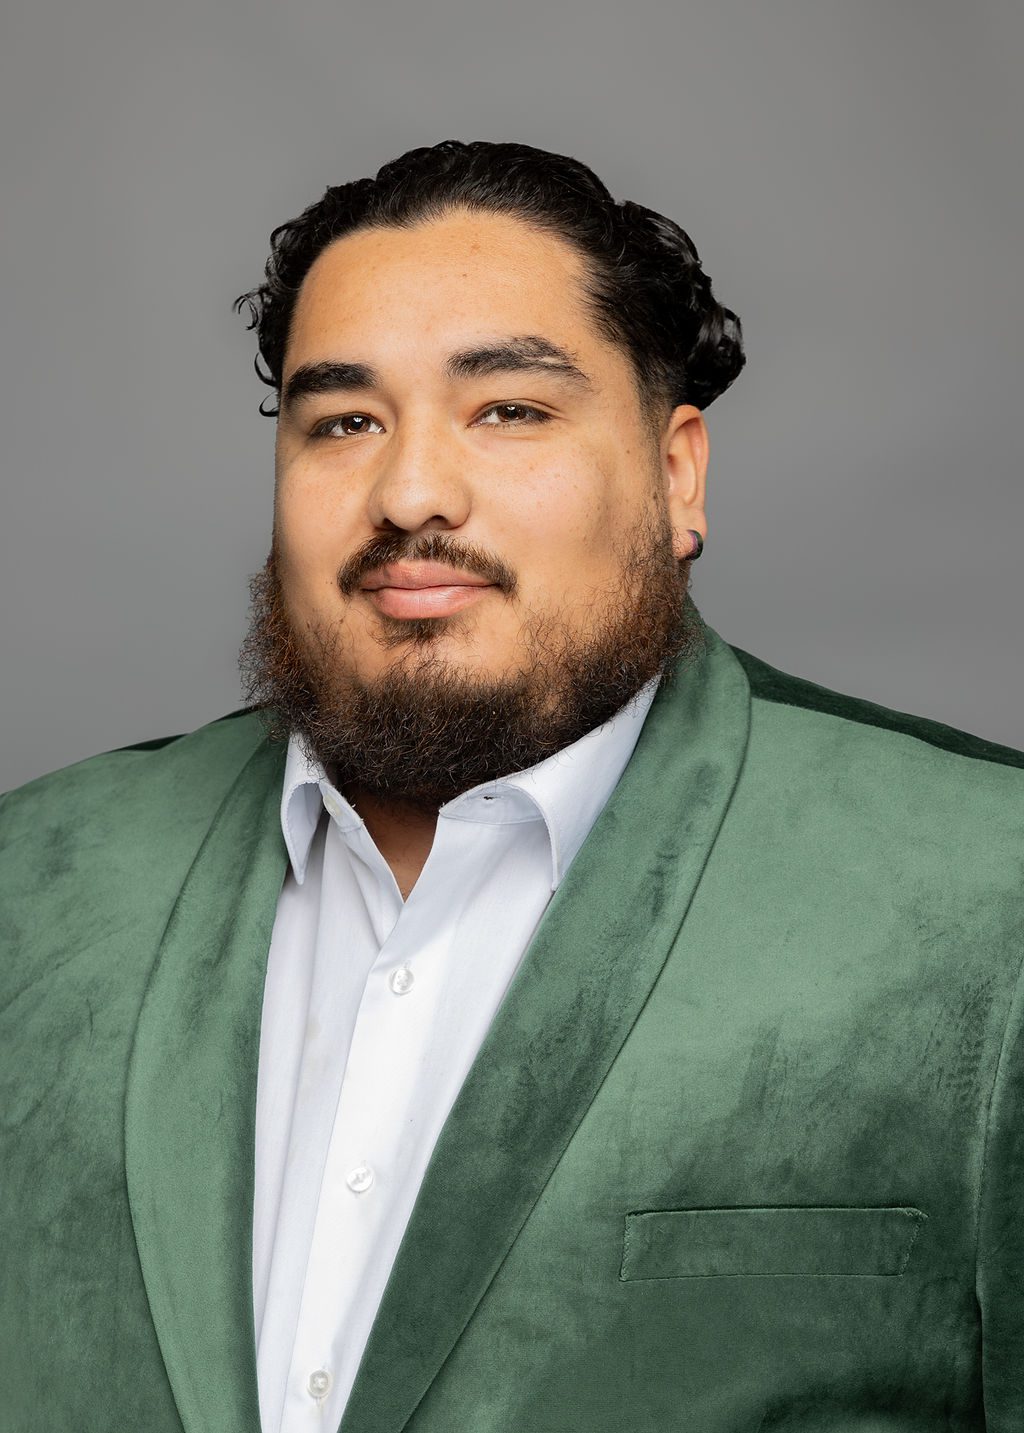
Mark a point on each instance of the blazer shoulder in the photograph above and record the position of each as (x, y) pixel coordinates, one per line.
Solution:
(193, 767)
(155, 743)
(769, 684)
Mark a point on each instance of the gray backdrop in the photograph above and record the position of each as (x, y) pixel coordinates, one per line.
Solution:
(848, 171)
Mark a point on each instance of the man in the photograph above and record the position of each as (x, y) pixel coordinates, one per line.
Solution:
(532, 1013)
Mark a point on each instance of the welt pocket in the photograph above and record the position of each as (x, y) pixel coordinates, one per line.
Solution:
(717, 1243)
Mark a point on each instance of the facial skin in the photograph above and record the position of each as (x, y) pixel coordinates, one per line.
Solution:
(578, 523)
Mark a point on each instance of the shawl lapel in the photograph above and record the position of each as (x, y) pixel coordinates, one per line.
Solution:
(582, 983)
(190, 1105)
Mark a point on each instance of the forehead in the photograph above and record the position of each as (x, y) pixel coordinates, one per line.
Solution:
(465, 274)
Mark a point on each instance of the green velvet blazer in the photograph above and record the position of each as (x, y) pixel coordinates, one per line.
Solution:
(743, 1149)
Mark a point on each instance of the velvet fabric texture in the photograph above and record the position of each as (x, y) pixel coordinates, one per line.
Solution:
(743, 1149)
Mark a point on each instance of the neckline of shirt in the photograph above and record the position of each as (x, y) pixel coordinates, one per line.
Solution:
(566, 790)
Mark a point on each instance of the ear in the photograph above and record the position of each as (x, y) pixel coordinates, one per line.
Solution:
(684, 466)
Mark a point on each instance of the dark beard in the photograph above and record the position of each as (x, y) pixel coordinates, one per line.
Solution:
(425, 731)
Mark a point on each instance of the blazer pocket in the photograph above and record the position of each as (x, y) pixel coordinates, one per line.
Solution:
(725, 1243)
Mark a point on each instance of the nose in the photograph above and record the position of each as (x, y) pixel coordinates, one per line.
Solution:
(422, 480)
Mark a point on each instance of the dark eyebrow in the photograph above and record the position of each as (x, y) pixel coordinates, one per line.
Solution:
(521, 353)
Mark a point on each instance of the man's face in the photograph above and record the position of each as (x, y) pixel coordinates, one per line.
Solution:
(403, 438)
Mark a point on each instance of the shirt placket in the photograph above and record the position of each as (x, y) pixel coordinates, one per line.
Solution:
(365, 1188)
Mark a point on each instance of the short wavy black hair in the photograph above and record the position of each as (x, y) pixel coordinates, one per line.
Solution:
(645, 289)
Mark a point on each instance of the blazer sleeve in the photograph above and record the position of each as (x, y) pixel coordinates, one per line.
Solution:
(1000, 1260)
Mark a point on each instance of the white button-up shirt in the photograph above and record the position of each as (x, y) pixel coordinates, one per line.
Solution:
(374, 1009)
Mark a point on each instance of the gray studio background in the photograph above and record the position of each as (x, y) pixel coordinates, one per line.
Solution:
(848, 171)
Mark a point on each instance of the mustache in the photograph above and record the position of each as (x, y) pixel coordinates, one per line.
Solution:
(428, 547)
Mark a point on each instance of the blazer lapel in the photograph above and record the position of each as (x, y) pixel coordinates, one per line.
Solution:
(584, 979)
(190, 1105)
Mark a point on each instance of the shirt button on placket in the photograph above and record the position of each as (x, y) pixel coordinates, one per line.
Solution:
(319, 1383)
(402, 980)
(359, 1179)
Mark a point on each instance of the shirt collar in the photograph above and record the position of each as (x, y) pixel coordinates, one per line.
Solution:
(567, 790)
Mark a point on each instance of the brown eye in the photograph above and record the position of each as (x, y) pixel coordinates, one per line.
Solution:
(329, 429)
(510, 415)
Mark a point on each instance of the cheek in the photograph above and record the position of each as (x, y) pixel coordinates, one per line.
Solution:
(562, 528)
(599, 511)
(308, 569)
(312, 520)
(565, 502)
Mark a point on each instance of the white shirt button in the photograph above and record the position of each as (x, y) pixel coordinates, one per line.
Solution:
(401, 980)
(332, 807)
(360, 1178)
(319, 1383)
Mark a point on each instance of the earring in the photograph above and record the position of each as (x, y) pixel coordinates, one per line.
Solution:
(698, 544)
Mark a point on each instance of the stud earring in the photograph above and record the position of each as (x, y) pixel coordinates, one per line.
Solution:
(698, 544)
